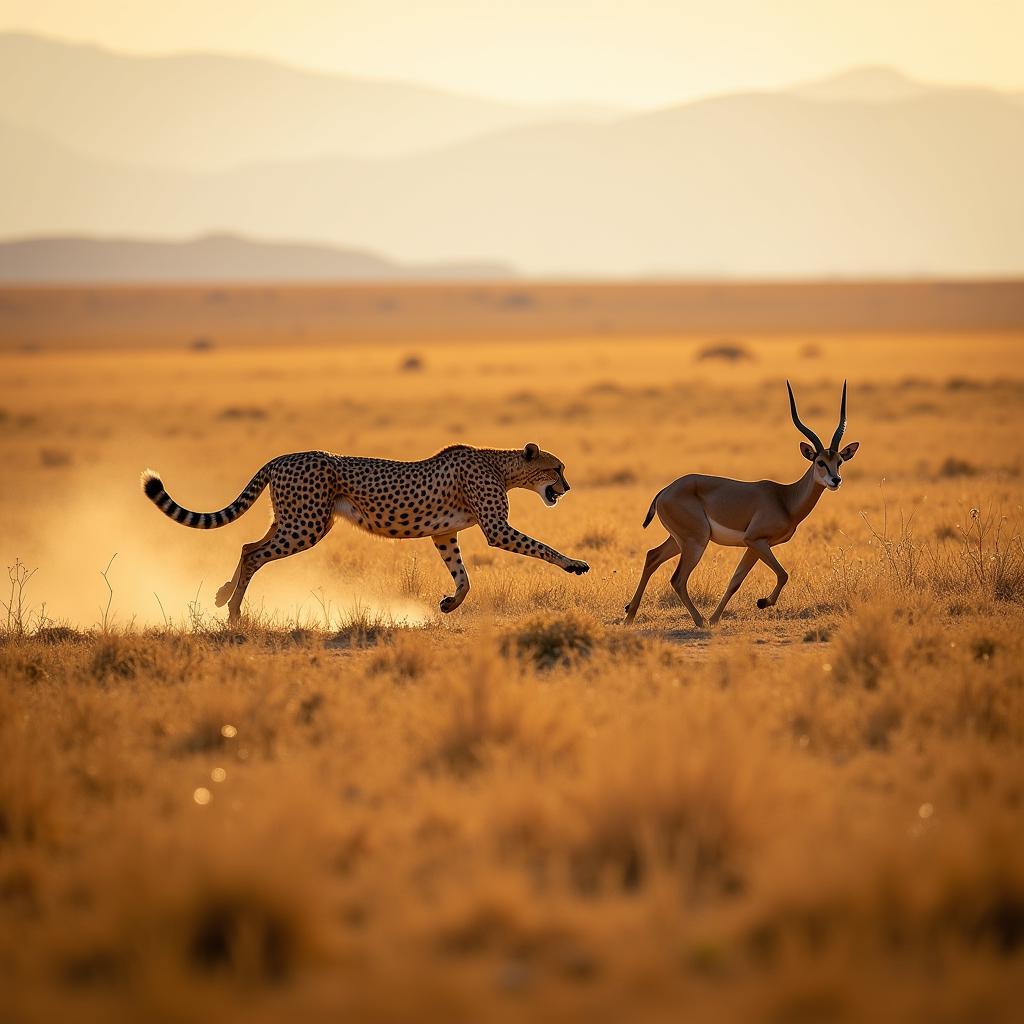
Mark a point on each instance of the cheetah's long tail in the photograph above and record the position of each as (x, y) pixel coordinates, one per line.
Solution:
(154, 489)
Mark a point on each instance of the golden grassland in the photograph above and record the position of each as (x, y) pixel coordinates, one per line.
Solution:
(356, 808)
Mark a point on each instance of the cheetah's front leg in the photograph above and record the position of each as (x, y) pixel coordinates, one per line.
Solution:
(505, 535)
(448, 548)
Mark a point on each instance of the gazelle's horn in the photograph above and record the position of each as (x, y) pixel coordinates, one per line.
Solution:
(841, 429)
(806, 431)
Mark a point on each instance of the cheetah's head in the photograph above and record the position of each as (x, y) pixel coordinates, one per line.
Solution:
(543, 473)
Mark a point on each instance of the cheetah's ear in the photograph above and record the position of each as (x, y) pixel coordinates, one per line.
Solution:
(530, 452)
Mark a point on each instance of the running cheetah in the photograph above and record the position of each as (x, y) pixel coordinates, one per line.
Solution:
(459, 487)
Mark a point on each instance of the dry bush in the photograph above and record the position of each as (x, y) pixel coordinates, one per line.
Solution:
(869, 647)
(953, 467)
(548, 642)
(55, 458)
(243, 412)
(726, 351)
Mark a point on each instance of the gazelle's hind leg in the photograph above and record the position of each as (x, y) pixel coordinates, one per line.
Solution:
(692, 552)
(225, 592)
(689, 526)
(667, 549)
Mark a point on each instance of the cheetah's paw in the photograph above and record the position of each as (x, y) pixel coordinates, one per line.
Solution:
(576, 567)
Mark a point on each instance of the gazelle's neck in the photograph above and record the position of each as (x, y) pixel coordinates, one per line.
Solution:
(803, 495)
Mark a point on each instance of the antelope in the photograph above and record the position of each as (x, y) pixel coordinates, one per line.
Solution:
(755, 515)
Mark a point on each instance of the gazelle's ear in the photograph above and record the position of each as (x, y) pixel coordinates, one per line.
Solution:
(530, 452)
(807, 451)
(849, 451)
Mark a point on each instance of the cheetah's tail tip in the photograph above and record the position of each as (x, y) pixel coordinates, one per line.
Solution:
(151, 483)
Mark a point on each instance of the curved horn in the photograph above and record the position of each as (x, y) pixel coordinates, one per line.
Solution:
(841, 429)
(806, 431)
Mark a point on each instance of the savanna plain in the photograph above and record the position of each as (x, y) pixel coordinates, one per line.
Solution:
(353, 807)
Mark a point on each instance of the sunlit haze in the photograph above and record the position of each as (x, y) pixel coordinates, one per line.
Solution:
(645, 52)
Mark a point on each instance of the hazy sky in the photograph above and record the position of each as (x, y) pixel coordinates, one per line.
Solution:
(629, 51)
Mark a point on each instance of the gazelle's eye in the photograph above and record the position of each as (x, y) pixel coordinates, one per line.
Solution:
(820, 463)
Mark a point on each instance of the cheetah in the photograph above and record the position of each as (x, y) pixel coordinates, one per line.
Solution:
(459, 487)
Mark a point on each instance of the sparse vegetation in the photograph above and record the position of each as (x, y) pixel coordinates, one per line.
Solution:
(353, 807)
(954, 467)
(727, 351)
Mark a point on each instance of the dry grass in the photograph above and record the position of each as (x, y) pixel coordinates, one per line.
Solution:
(355, 808)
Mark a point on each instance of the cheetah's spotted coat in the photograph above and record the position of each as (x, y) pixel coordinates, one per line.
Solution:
(457, 488)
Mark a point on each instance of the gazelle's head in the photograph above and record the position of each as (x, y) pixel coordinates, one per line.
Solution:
(826, 461)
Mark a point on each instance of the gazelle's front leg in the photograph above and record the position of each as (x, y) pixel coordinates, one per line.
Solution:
(448, 548)
(763, 550)
(747, 562)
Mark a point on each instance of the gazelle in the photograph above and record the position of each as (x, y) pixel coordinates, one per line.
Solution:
(754, 515)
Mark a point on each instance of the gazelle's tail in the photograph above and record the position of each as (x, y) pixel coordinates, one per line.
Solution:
(650, 511)
(154, 489)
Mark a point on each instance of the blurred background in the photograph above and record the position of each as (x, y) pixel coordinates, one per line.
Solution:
(318, 141)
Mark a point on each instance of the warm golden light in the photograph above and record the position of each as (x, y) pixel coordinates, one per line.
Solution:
(644, 53)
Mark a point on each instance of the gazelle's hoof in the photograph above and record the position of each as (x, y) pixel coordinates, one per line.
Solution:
(763, 602)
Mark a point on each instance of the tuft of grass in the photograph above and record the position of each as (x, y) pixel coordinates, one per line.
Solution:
(868, 648)
(361, 627)
(403, 658)
(550, 641)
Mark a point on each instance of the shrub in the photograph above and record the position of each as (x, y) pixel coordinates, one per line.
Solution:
(546, 642)
(726, 351)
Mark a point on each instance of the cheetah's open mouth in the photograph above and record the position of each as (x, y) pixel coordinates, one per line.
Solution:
(550, 494)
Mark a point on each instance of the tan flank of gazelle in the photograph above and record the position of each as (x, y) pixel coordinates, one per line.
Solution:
(753, 515)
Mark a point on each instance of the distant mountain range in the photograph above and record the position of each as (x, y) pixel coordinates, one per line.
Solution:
(207, 111)
(221, 258)
(880, 84)
(867, 174)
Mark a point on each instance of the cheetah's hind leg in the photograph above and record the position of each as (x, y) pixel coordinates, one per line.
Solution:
(448, 548)
(225, 592)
